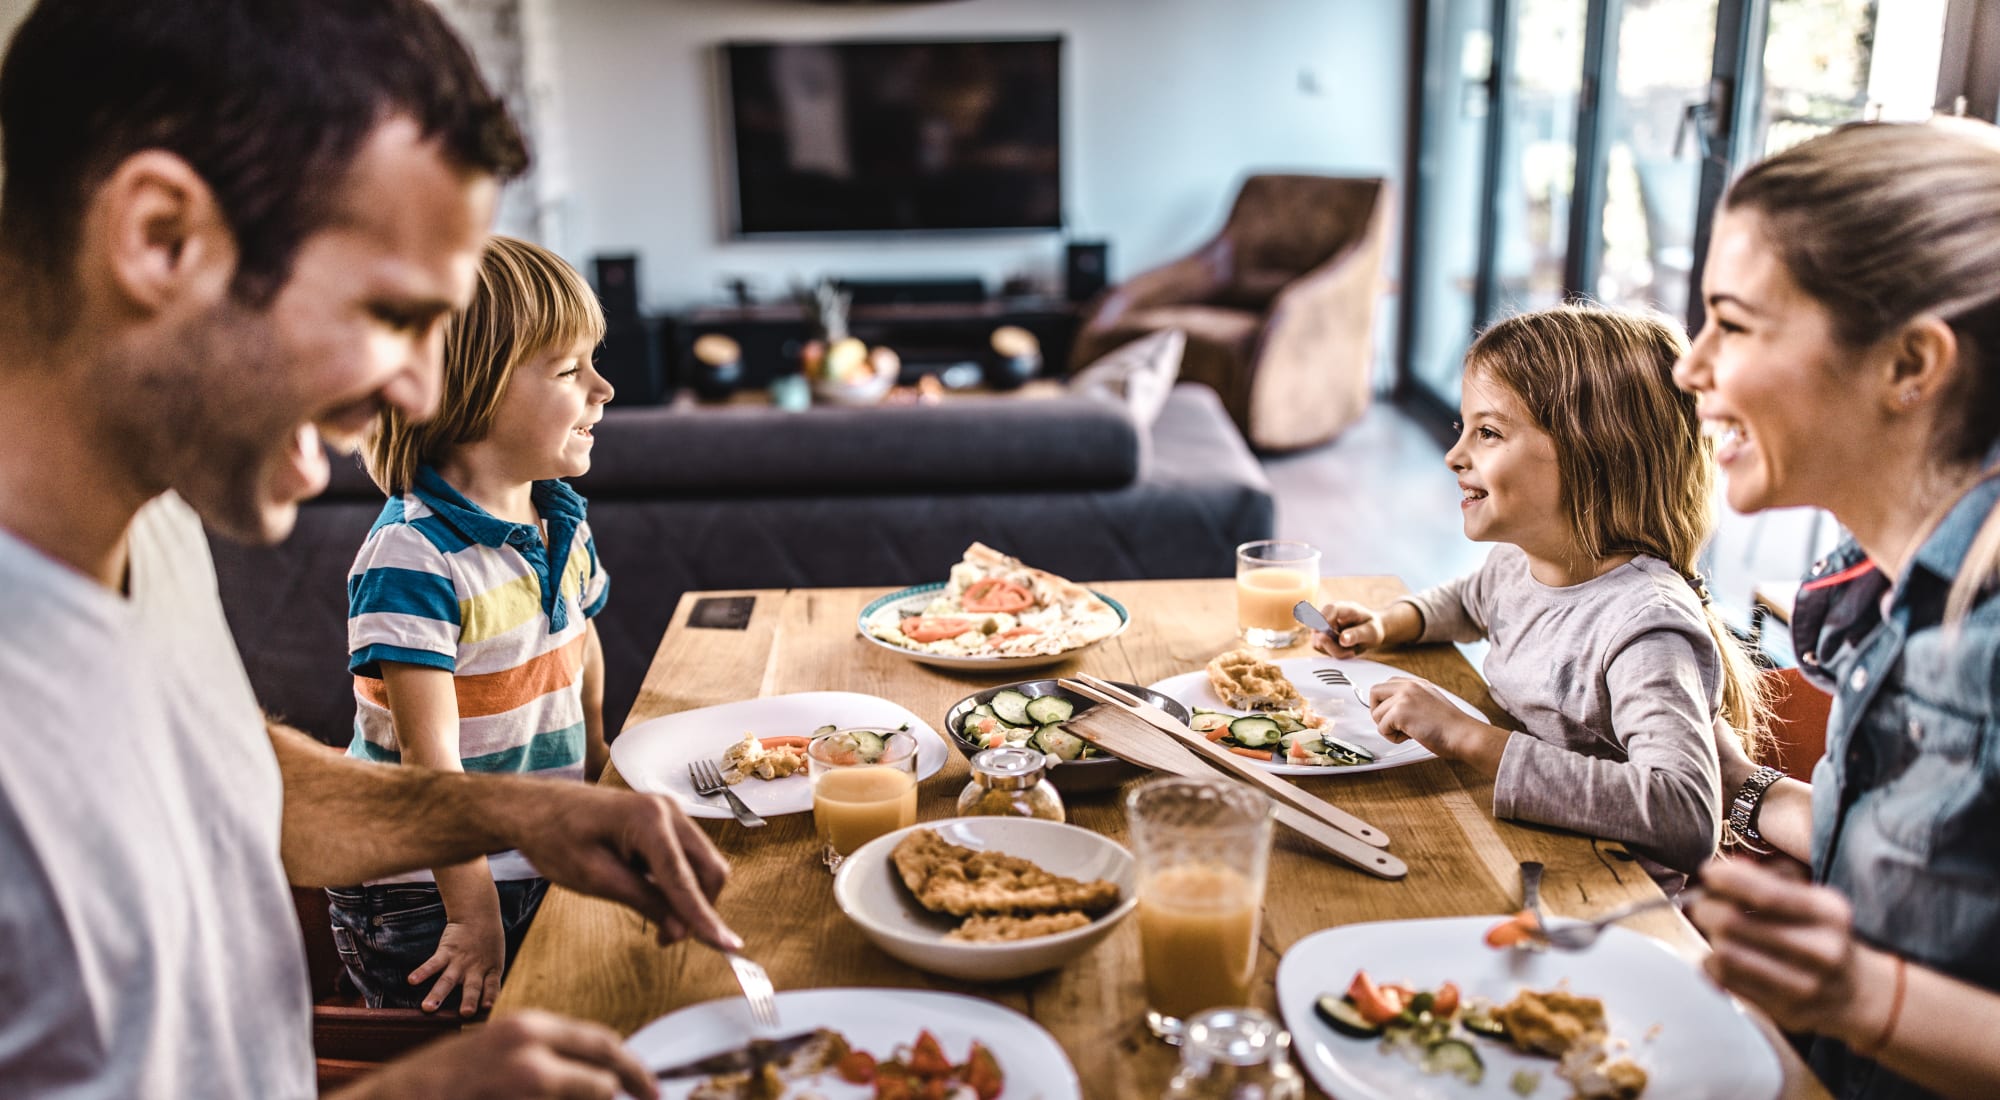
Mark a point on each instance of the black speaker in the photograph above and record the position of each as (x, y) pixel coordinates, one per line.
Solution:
(617, 286)
(1086, 268)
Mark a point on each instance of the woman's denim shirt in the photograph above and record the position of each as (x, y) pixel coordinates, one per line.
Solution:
(1906, 801)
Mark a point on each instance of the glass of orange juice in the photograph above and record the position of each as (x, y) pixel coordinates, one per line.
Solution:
(1271, 576)
(1202, 847)
(864, 784)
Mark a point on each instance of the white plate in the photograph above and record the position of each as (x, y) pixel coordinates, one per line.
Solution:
(1350, 719)
(913, 600)
(874, 1020)
(654, 756)
(1693, 1041)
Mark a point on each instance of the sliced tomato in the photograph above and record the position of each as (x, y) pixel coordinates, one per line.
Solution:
(1517, 929)
(996, 594)
(1445, 1001)
(930, 628)
(1377, 1005)
(927, 1056)
(1018, 631)
(857, 1068)
(982, 1072)
(792, 742)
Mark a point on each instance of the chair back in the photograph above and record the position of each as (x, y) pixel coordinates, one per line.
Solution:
(349, 1038)
(1283, 226)
(1799, 713)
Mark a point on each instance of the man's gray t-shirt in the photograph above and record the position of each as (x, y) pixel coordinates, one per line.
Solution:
(148, 944)
(1617, 682)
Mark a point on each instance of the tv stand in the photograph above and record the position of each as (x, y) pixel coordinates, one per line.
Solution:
(928, 336)
(915, 291)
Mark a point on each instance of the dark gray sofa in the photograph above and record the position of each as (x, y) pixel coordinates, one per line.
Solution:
(746, 497)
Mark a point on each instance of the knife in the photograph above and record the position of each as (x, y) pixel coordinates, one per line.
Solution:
(754, 1053)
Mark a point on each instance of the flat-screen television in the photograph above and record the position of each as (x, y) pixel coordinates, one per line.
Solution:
(853, 136)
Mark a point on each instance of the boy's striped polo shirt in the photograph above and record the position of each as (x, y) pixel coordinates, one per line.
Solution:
(443, 583)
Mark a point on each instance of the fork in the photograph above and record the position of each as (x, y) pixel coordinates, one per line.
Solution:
(1577, 937)
(708, 782)
(757, 989)
(1333, 677)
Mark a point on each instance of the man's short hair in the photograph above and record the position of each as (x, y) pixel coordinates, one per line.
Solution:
(268, 100)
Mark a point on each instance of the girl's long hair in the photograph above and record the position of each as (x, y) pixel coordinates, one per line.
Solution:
(1638, 476)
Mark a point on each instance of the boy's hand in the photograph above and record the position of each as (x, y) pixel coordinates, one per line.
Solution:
(470, 957)
(635, 849)
(1409, 710)
(1356, 630)
(525, 1054)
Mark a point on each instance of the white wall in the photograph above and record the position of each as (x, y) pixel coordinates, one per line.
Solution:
(1167, 104)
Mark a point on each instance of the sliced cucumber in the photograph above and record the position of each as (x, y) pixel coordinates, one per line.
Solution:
(1253, 732)
(985, 710)
(1341, 1015)
(1208, 721)
(1456, 1057)
(1044, 709)
(1477, 1016)
(1011, 706)
(1350, 748)
(824, 730)
(867, 745)
(1053, 738)
(1287, 722)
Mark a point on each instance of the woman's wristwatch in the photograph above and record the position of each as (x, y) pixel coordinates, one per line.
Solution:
(1743, 810)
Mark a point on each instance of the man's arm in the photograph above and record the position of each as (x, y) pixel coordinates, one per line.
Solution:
(348, 821)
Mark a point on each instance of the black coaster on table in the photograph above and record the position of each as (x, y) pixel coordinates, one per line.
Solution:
(722, 612)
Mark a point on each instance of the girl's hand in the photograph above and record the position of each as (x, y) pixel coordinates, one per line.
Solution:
(1788, 947)
(1356, 629)
(470, 956)
(1410, 710)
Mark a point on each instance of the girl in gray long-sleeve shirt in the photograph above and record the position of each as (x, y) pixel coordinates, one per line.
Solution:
(1580, 458)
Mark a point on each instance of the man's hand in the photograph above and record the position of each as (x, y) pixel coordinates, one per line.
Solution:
(636, 849)
(529, 1054)
(470, 956)
(1410, 710)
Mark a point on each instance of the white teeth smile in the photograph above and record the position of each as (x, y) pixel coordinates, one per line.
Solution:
(1474, 494)
(1726, 433)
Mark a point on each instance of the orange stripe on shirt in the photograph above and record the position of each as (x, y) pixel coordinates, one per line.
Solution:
(1866, 565)
(499, 692)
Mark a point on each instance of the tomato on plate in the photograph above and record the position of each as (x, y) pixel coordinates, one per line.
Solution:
(933, 628)
(1378, 1005)
(996, 594)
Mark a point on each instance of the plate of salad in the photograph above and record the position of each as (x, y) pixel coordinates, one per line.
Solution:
(1330, 732)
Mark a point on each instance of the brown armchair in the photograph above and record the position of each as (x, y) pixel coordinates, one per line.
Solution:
(1278, 307)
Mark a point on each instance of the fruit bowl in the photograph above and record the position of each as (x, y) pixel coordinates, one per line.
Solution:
(848, 373)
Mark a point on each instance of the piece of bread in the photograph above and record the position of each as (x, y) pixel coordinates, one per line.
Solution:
(1245, 681)
(949, 878)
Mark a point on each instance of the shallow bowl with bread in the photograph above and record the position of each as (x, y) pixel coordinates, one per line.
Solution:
(1095, 773)
(869, 889)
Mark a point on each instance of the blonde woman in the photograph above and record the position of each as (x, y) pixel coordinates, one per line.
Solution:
(1851, 361)
(1580, 458)
(469, 611)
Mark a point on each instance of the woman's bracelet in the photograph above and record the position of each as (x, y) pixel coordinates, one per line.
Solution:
(1881, 1042)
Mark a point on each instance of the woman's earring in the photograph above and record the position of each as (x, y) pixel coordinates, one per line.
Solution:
(1911, 395)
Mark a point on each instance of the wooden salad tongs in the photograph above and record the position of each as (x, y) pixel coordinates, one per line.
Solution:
(1122, 727)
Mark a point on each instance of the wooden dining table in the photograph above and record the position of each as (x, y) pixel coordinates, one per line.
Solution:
(594, 959)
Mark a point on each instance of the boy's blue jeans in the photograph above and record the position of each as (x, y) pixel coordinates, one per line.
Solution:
(385, 932)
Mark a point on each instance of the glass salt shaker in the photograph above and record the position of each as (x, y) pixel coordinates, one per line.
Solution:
(1010, 782)
(1235, 1054)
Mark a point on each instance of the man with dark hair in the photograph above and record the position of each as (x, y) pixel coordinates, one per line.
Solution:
(230, 229)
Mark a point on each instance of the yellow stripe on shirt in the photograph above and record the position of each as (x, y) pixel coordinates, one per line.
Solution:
(499, 609)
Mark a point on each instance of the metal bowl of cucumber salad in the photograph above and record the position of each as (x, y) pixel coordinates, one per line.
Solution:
(1031, 714)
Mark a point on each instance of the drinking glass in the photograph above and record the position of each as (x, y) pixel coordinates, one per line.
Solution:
(1202, 847)
(1271, 576)
(855, 798)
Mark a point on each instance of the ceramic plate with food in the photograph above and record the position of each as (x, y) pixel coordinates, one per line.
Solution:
(879, 1021)
(1309, 727)
(1652, 1012)
(993, 613)
(763, 739)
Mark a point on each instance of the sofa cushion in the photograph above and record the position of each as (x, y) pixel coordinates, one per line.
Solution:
(1139, 374)
(968, 444)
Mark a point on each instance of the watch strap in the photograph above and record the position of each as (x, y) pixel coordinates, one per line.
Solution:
(1743, 808)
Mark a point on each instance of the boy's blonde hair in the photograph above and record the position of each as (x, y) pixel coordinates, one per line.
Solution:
(527, 302)
(1637, 474)
(1885, 222)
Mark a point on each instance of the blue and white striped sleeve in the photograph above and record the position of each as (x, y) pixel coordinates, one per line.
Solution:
(402, 604)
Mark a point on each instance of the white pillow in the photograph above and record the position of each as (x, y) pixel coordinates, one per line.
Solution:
(1139, 373)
